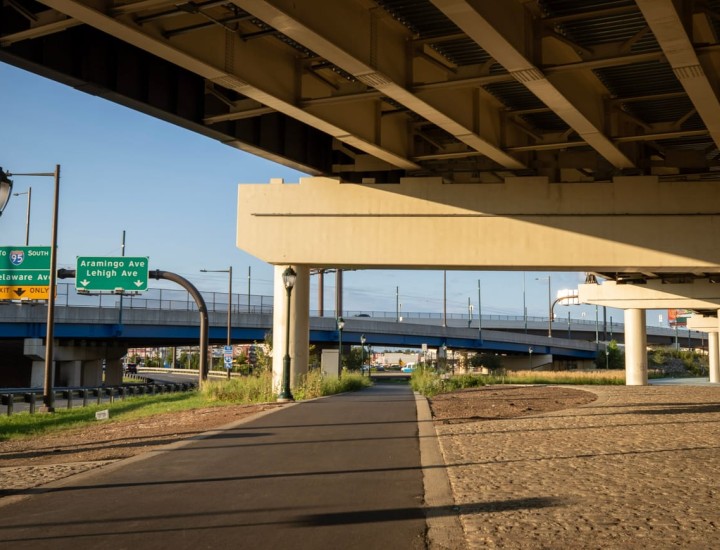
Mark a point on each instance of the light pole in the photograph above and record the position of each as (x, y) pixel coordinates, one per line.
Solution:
(550, 307)
(362, 353)
(6, 188)
(27, 215)
(530, 352)
(229, 311)
(289, 276)
(479, 311)
(470, 313)
(340, 327)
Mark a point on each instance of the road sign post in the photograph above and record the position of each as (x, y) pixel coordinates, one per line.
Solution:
(24, 272)
(111, 274)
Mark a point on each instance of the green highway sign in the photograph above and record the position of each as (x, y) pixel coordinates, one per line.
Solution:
(24, 272)
(113, 273)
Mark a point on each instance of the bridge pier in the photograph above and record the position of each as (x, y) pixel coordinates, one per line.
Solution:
(76, 365)
(636, 369)
(299, 324)
(713, 359)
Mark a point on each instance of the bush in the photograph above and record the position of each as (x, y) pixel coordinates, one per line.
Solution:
(672, 362)
(258, 389)
(248, 389)
(489, 361)
(615, 359)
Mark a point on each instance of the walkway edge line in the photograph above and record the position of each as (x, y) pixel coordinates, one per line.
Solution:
(444, 529)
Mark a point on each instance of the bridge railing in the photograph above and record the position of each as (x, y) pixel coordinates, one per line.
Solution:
(180, 300)
(165, 299)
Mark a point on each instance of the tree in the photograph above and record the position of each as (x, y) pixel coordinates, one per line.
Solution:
(614, 359)
(489, 361)
(353, 360)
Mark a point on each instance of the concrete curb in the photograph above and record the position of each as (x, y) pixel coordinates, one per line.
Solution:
(444, 529)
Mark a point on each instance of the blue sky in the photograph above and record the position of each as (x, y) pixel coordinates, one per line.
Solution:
(174, 194)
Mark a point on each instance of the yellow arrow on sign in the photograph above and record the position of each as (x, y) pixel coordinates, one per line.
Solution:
(24, 292)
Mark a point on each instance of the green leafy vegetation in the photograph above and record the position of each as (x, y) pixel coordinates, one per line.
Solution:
(673, 362)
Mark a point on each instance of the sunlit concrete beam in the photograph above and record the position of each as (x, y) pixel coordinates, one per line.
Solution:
(702, 323)
(700, 294)
(629, 225)
(668, 28)
(468, 15)
(202, 59)
(322, 36)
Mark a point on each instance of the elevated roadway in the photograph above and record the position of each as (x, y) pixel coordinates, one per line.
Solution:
(449, 134)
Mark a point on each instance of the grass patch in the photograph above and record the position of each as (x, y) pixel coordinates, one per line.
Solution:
(429, 383)
(237, 391)
(248, 389)
(315, 385)
(579, 378)
(24, 424)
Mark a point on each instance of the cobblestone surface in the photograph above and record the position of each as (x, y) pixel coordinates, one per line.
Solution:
(637, 468)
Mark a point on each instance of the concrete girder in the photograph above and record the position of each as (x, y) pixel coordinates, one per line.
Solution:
(270, 83)
(700, 294)
(702, 323)
(470, 17)
(668, 28)
(347, 40)
(632, 224)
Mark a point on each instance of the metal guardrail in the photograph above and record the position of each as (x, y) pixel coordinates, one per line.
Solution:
(9, 397)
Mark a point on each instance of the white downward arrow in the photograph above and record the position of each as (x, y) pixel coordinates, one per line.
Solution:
(85, 282)
(138, 283)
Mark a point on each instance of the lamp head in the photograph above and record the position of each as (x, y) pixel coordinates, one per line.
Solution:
(6, 186)
(363, 339)
(289, 276)
(340, 323)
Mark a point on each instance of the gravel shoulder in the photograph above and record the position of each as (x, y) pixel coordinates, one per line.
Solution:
(634, 468)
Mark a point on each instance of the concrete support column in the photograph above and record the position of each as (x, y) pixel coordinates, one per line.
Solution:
(299, 324)
(636, 372)
(713, 357)
(69, 373)
(113, 372)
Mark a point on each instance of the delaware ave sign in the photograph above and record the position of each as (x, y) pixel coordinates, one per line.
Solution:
(116, 274)
(24, 272)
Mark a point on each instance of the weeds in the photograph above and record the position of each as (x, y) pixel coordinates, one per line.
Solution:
(429, 383)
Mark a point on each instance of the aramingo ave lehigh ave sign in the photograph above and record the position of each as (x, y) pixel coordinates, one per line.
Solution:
(24, 272)
(113, 273)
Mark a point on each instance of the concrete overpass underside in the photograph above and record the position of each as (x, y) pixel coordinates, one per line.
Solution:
(523, 134)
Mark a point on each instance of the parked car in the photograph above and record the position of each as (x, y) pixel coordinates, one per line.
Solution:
(131, 368)
(410, 367)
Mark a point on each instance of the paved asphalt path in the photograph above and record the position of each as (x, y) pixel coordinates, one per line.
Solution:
(340, 472)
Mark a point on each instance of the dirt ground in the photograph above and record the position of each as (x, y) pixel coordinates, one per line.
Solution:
(496, 402)
(30, 462)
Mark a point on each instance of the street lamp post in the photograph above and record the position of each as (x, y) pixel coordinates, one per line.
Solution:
(289, 276)
(340, 326)
(229, 311)
(530, 352)
(362, 353)
(470, 313)
(5, 189)
(479, 311)
(27, 215)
